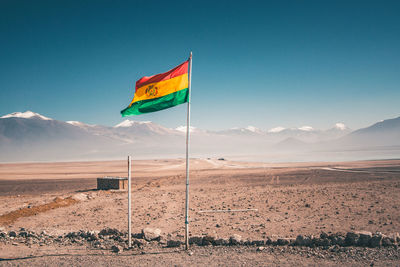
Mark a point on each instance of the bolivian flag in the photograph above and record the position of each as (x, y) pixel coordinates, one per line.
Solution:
(160, 91)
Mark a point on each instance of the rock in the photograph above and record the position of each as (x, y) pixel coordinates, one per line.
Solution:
(351, 239)
(321, 242)
(364, 238)
(118, 239)
(12, 234)
(337, 239)
(304, 241)
(2, 234)
(116, 249)
(80, 197)
(386, 242)
(221, 242)
(235, 239)
(257, 243)
(173, 243)
(376, 241)
(246, 242)
(23, 234)
(150, 234)
(92, 236)
(260, 248)
(283, 241)
(71, 235)
(208, 240)
(110, 231)
(196, 240)
(394, 237)
(323, 235)
(268, 241)
(138, 242)
(97, 244)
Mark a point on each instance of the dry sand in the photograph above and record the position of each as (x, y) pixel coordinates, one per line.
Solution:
(288, 199)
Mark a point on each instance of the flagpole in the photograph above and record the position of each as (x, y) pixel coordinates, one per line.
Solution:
(187, 157)
(129, 204)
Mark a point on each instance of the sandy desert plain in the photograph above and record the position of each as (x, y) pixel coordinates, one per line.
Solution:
(51, 214)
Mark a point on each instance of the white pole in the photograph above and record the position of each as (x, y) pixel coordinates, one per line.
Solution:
(129, 204)
(187, 157)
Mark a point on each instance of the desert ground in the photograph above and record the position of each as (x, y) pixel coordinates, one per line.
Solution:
(279, 200)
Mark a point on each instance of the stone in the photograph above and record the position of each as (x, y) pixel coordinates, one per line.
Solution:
(394, 237)
(322, 242)
(80, 197)
(116, 249)
(12, 234)
(208, 240)
(110, 231)
(235, 239)
(138, 242)
(260, 248)
(23, 234)
(268, 241)
(173, 243)
(257, 243)
(351, 239)
(323, 235)
(247, 242)
(196, 240)
(283, 241)
(150, 234)
(97, 244)
(304, 241)
(386, 242)
(221, 242)
(364, 238)
(376, 241)
(337, 239)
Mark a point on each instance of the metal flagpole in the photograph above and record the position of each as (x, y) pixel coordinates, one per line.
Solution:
(129, 204)
(187, 157)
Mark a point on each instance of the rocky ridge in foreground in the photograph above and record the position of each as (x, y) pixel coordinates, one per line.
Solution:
(115, 240)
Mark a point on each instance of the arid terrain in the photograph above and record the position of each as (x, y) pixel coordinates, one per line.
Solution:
(275, 201)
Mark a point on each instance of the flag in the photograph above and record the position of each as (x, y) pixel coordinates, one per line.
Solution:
(160, 91)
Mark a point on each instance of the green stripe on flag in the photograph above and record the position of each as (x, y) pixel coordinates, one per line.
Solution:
(156, 104)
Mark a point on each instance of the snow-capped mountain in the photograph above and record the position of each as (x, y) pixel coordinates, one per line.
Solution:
(249, 130)
(143, 128)
(276, 129)
(383, 133)
(32, 136)
(129, 123)
(25, 115)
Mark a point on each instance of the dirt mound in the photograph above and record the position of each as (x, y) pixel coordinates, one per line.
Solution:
(58, 202)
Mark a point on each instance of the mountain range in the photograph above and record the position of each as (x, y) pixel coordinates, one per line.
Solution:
(29, 136)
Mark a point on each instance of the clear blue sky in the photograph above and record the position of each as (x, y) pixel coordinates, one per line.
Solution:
(261, 63)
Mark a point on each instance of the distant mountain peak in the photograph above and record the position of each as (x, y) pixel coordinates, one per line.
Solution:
(340, 126)
(129, 123)
(276, 129)
(25, 115)
(78, 123)
(306, 128)
(252, 129)
(183, 129)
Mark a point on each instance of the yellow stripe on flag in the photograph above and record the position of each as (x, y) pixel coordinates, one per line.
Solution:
(159, 89)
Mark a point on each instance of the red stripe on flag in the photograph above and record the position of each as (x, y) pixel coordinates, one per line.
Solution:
(177, 71)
